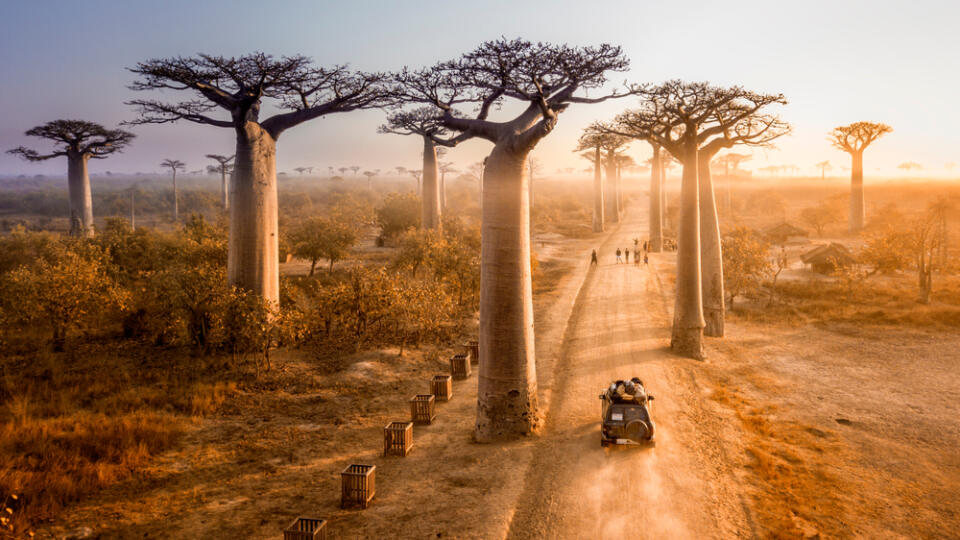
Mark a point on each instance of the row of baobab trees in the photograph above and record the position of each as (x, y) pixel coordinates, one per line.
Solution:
(446, 104)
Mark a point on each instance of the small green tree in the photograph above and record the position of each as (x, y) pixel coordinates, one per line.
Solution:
(62, 294)
(321, 238)
(746, 262)
(418, 248)
(821, 215)
(399, 212)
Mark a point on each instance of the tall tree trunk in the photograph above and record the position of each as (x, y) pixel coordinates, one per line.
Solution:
(443, 193)
(663, 191)
(687, 336)
(611, 211)
(856, 193)
(656, 210)
(223, 188)
(176, 209)
(711, 254)
(253, 262)
(507, 393)
(598, 204)
(430, 201)
(619, 190)
(81, 202)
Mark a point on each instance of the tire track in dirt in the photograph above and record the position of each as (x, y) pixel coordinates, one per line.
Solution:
(676, 489)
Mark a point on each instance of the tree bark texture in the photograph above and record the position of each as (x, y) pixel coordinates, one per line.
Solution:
(610, 198)
(81, 202)
(252, 261)
(224, 192)
(656, 209)
(507, 394)
(688, 323)
(430, 200)
(711, 254)
(856, 193)
(598, 205)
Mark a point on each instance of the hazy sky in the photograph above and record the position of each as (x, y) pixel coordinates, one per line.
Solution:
(837, 61)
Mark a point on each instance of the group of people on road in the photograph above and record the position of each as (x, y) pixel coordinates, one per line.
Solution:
(623, 255)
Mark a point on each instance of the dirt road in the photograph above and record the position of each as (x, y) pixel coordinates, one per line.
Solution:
(680, 488)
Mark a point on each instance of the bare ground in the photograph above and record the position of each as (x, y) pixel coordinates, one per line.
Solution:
(830, 431)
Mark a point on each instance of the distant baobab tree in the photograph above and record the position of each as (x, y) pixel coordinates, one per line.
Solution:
(355, 169)
(545, 79)
(343, 170)
(79, 141)
(416, 174)
(224, 166)
(592, 140)
(332, 171)
(854, 139)
(445, 167)
(910, 166)
(174, 165)
(824, 166)
(425, 123)
(693, 122)
(610, 143)
(237, 87)
(302, 170)
(370, 175)
(730, 162)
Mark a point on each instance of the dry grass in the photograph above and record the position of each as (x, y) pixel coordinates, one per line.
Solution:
(875, 301)
(74, 423)
(796, 490)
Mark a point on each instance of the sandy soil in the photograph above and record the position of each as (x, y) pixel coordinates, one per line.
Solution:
(784, 432)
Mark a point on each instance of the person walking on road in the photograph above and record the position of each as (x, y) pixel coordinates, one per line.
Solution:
(593, 258)
(645, 259)
(636, 257)
(619, 256)
(626, 255)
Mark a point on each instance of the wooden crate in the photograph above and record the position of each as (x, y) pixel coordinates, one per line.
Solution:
(422, 409)
(442, 387)
(473, 351)
(358, 485)
(397, 438)
(306, 529)
(459, 366)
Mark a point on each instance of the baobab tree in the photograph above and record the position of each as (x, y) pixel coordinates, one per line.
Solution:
(592, 141)
(910, 166)
(425, 123)
(370, 175)
(610, 144)
(730, 162)
(416, 174)
(824, 166)
(79, 141)
(174, 165)
(445, 167)
(546, 79)
(355, 169)
(693, 122)
(238, 86)
(854, 139)
(224, 166)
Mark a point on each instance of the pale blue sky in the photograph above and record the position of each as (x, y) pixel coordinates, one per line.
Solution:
(837, 62)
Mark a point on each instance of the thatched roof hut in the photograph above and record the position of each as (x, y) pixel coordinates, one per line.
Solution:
(784, 232)
(827, 257)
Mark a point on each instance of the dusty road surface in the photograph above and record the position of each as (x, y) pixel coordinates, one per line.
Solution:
(682, 487)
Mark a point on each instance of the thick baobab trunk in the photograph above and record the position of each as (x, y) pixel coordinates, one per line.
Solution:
(430, 200)
(507, 394)
(856, 193)
(688, 320)
(663, 191)
(443, 193)
(611, 210)
(656, 209)
(711, 254)
(81, 202)
(252, 260)
(598, 205)
(223, 188)
(619, 191)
